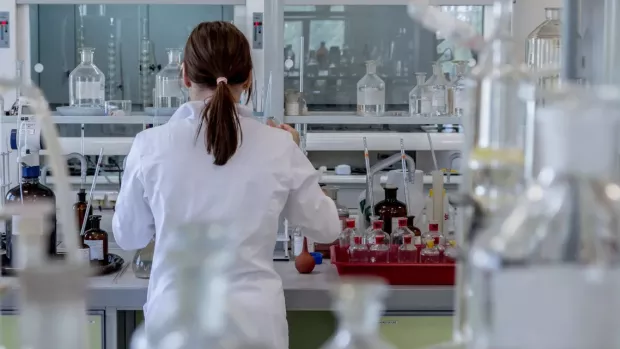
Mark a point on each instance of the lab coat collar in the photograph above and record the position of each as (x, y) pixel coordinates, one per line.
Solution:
(193, 110)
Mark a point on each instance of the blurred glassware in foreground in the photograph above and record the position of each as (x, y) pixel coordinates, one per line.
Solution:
(544, 47)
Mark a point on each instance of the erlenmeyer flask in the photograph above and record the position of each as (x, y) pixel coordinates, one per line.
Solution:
(558, 250)
(358, 304)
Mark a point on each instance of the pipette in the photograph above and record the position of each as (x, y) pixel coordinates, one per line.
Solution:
(430, 143)
(405, 184)
(92, 188)
(371, 195)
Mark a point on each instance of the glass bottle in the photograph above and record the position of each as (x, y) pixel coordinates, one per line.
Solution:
(345, 238)
(371, 92)
(429, 254)
(97, 241)
(390, 209)
(396, 238)
(458, 89)
(143, 261)
(407, 252)
(557, 248)
(433, 232)
(168, 82)
(438, 86)
(451, 253)
(379, 244)
(544, 47)
(419, 97)
(80, 210)
(31, 191)
(358, 252)
(358, 305)
(417, 233)
(368, 230)
(86, 82)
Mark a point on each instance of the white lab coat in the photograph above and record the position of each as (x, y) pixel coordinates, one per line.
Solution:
(170, 179)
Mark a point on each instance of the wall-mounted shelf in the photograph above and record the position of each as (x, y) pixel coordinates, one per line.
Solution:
(352, 119)
(117, 120)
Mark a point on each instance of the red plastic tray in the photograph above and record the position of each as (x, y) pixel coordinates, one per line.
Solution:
(398, 274)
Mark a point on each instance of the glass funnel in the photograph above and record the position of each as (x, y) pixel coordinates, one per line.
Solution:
(544, 46)
(419, 97)
(371, 92)
(557, 251)
(168, 82)
(86, 82)
(358, 305)
(143, 261)
(438, 88)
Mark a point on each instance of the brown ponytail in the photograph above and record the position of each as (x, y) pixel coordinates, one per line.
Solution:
(217, 57)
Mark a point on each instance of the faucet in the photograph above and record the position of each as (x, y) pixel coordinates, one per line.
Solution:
(385, 163)
(453, 157)
(83, 168)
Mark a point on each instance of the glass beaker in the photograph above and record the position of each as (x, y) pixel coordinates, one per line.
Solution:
(168, 82)
(358, 304)
(118, 108)
(558, 249)
(86, 82)
(438, 87)
(371, 92)
(143, 261)
(544, 47)
(419, 101)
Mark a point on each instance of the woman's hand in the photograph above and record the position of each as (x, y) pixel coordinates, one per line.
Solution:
(286, 128)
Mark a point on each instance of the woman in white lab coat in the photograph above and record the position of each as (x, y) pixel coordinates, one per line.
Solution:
(213, 162)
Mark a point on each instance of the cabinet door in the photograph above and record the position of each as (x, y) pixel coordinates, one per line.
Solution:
(9, 329)
(416, 332)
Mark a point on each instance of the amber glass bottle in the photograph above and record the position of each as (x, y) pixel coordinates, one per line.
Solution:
(31, 191)
(97, 241)
(417, 233)
(80, 210)
(390, 209)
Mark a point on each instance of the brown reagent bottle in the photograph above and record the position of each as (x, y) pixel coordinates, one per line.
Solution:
(390, 209)
(97, 241)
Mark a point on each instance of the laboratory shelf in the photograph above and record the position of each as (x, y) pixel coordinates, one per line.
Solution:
(361, 179)
(352, 119)
(134, 2)
(116, 120)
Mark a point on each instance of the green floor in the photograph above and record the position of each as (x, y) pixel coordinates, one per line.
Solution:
(310, 329)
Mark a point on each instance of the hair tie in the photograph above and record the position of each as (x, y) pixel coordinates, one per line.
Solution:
(222, 80)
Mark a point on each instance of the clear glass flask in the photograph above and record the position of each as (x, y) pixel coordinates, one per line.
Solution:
(438, 88)
(358, 305)
(86, 82)
(168, 82)
(143, 261)
(543, 48)
(419, 97)
(459, 94)
(371, 92)
(558, 249)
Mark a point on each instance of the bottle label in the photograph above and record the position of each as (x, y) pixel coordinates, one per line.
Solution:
(96, 249)
(417, 240)
(425, 106)
(89, 90)
(548, 306)
(84, 254)
(370, 96)
(14, 224)
(439, 99)
(298, 245)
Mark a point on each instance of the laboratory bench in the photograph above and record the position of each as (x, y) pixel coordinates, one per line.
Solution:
(115, 302)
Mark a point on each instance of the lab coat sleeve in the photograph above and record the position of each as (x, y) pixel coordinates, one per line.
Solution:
(133, 223)
(307, 206)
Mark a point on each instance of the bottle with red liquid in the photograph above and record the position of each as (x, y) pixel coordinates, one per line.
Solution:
(358, 251)
(368, 231)
(430, 254)
(390, 209)
(380, 244)
(451, 253)
(407, 252)
(433, 232)
(396, 239)
(344, 240)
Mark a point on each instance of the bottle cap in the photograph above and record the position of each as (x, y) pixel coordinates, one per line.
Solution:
(379, 239)
(31, 171)
(350, 223)
(452, 243)
(433, 227)
(378, 224)
(407, 239)
(357, 240)
(402, 222)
